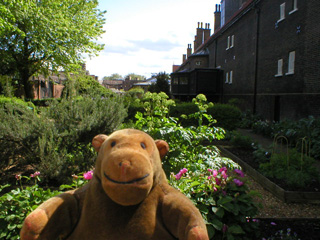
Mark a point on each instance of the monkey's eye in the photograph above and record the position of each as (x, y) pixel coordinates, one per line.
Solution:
(113, 143)
(143, 145)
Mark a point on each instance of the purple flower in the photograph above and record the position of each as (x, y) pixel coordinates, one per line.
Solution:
(237, 182)
(224, 228)
(273, 223)
(223, 169)
(184, 170)
(218, 181)
(239, 172)
(88, 175)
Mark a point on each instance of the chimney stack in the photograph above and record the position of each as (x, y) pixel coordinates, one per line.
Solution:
(189, 50)
(217, 18)
(198, 39)
(207, 32)
(184, 58)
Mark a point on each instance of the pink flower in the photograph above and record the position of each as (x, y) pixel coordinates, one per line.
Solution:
(218, 181)
(181, 172)
(224, 175)
(238, 182)
(223, 169)
(35, 174)
(88, 175)
(18, 177)
(178, 176)
(184, 170)
(214, 173)
(209, 177)
(239, 172)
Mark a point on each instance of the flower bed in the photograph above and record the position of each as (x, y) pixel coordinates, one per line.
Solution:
(285, 196)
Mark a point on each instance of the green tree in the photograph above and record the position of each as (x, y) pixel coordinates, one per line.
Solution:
(40, 36)
(113, 76)
(135, 76)
(162, 84)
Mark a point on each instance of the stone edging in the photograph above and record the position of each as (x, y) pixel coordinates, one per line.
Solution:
(283, 195)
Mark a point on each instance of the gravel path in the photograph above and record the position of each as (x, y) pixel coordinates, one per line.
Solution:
(275, 208)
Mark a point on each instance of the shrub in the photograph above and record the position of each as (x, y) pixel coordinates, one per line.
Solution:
(241, 141)
(57, 140)
(228, 116)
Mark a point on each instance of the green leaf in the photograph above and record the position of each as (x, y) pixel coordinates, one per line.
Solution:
(220, 212)
(235, 229)
(217, 224)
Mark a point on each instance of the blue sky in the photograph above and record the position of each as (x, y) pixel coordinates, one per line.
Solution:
(148, 36)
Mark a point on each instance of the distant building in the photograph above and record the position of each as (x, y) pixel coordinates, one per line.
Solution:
(263, 52)
(53, 85)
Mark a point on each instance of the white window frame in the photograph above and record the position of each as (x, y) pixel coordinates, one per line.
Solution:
(198, 63)
(294, 6)
(228, 43)
(232, 41)
(282, 12)
(230, 77)
(292, 58)
(280, 67)
(227, 77)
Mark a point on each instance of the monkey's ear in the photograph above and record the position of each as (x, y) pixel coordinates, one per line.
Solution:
(163, 147)
(98, 140)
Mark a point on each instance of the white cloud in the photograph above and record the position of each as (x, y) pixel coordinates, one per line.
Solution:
(148, 36)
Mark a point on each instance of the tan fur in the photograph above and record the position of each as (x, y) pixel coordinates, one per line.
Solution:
(127, 198)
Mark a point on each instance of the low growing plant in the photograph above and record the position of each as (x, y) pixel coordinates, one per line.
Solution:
(18, 203)
(224, 200)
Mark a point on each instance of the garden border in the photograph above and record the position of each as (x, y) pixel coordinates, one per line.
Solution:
(280, 193)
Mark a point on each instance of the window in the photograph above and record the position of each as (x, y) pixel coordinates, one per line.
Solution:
(176, 81)
(229, 77)
(183, 81)
(282, 11)
(280, 65)
(198, 63)
(292, 56)
(223, 12)
(232, 41)
(228, 43)
(294, 6)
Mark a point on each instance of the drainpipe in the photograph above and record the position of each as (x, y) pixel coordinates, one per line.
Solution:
(256, 62)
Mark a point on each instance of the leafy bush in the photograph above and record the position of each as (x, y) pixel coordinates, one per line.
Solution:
(241, 141)
(224, 200)
(227, 116)
(57, 140)
(16, 101)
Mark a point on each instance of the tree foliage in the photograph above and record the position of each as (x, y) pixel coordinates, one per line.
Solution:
(113, 77)
(38, 36)
(134, 76)
(162, 84)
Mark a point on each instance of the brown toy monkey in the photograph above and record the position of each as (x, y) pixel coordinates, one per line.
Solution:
(128, 198)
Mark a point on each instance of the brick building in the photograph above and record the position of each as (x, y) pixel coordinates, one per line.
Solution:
(263, 52)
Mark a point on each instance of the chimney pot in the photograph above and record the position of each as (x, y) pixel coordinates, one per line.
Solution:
(201, 24)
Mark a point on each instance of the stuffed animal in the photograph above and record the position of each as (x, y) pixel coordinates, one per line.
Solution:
(128, 198)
